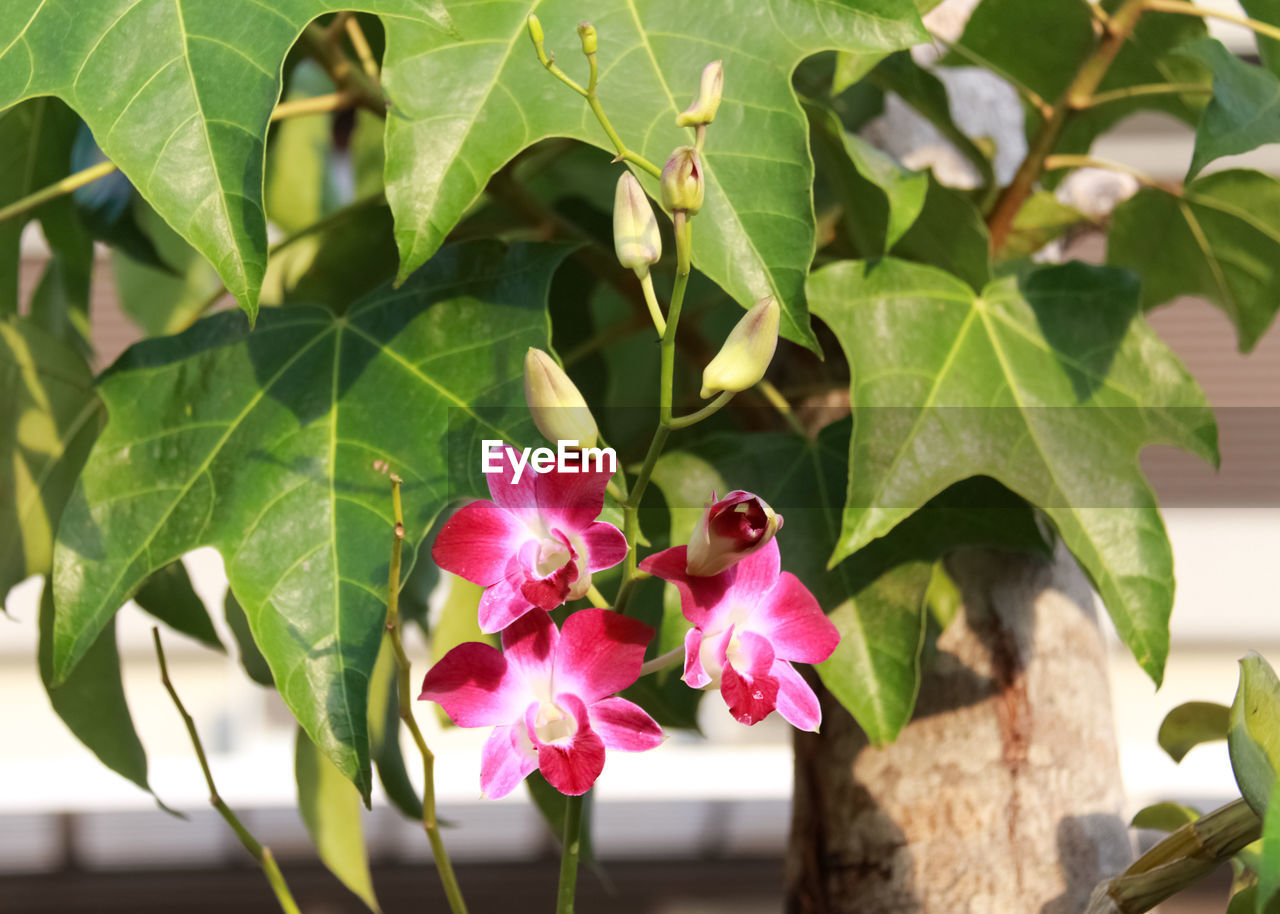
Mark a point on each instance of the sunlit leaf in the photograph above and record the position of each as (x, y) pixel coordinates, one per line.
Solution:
(1190, 724)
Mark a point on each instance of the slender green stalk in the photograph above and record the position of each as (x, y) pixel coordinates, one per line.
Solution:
(360, 43)
(430, 823)
(570, 850)
(650, 299)
(779, 403)
(662, 661)
(327, 51)
(597, 598)
(1190, 9)
(1115, 95)
(711, 408)
(259, 853)
(1056, 162)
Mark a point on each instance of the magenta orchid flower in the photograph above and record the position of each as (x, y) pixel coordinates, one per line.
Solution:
(729, 530)
(535, 545)
(547, 696)
(748, 624)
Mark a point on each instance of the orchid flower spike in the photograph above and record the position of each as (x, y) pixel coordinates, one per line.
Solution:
(746, 354)
(749, 624)
(535, 545)
(558, 408)
(547, 697)
(730, 530)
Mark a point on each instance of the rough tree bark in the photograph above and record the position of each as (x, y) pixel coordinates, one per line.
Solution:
(1003, 795)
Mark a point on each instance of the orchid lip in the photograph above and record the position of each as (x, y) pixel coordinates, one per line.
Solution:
(553, 725)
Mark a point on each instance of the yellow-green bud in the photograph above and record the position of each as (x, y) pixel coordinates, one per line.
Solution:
(681, 183)
(1253, 737)
(535, 29)
(746, 354)
(635, 229)
(558, 409)
(587, 33)
(703, 109)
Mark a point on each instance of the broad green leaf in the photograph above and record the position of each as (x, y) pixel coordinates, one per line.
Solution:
(1164, 817)
(1042, 219)
(330, 807)
(1028, 383)
(949, 233)
(1245, 111)
(178, 94)
(106, 206)
(1220, 240)
(49, 416)
(60, 303)
(1267, 11)
(754, 235)
(255, 665)
(169, 596)
(1254, 737)
(91, 702)
(1035, 45)
(384, 734)
(851, 67)
(271, 447)
(1190, 724)
(880, 198)
(1267, 900)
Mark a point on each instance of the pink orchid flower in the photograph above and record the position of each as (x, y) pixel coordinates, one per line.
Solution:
(547, 697)
(535, 545)
(748, 623)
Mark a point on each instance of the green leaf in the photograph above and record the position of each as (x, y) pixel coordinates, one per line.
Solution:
(1268, 897)
(949, 233)
(270, 446)
(851, 67)
(384, 734)
(1245, 111)
(1244, 901)
(105, 206)
(1026, 383)
(1267, 11)
(1190, 724)
(552, 804)
(330, 807)
(755, 233)
(880, 198)
(255, 665)
(49, 416)
(1219, 240)
(1254, 737)
(1037, 45)
(169, 596)
(1042, 219)
(1164, 817)
(300, 185)
(186, 118)
(91, 702)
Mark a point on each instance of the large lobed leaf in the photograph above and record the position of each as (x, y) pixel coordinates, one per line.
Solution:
(464, 106)
(270, 446)
(1052, 384)
(178, 93)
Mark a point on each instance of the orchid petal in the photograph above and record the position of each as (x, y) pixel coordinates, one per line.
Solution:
(501, 605)
(750, 698)
(695, 675)
(700, 597)
(624, 725)
(520, 498)
(572, 767)
(797, 703)
(600, 653)
(571, 501)
(756, 574)
(794, 623)
(529, 645)
(475, 686)
(476, 542)
(506, 759)
(605, 545)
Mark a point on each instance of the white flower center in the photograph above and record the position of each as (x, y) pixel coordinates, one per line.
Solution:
(552, 556)
(553, 724)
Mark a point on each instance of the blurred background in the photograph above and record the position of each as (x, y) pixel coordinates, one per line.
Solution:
(699, 824)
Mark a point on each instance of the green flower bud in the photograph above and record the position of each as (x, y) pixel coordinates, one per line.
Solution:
(587, 33)
(558, 409)
(681, 183)
(746, 354)
(535, 29)
(635, 229)
(703, 109)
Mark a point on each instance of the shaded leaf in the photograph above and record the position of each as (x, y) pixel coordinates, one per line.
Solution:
(1164, 817)
(300, 185)
(251, 659)
(1220, 240)
(1042, 219)
(1026, 383)
(1267, 11)
(330, 807)
(949, 233)
(384, 734)
(105, 206)
(755, 233)
(269, 446)
(1038, 45)
(169, 596)
(1245, 111)
(1267, 900)
(1190, 724)
(552, 804)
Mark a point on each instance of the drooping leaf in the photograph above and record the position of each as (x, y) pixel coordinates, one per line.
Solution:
(271, 446)
(91, 702)
(1027, 383)
(949, 233)
(1220, 240)
(384, 734)
(754, 235)
(1254, 737)
(49, 416)
(1190, 724)
(105, 206)
(1267, 11)
(1164, 817)
(330, 807)
(186, 119)
(1245, 111)
(169, 596)
(251, 659)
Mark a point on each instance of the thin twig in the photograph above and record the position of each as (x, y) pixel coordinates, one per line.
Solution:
(1115, 95)
(257, 850)
(1190, 9)
(361, 46)
(779, 403)
(1058, 162)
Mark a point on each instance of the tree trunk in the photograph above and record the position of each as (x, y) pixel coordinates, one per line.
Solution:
(1003, 795)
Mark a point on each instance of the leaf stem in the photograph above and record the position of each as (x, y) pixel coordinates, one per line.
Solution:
(570, 850)
(259, 853)
(1190, 9)
(1078, 92)
(1115, 95)
(430, 824)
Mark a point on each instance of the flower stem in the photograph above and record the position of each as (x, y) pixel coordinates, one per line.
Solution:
(662, 661)
(570, 850)
(360, 43)
(1190, 9)
(655, 310)
(429, 822)
(779, 403)
(597, 598)
(1115, 95)
(710, 409)
(260, 853)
